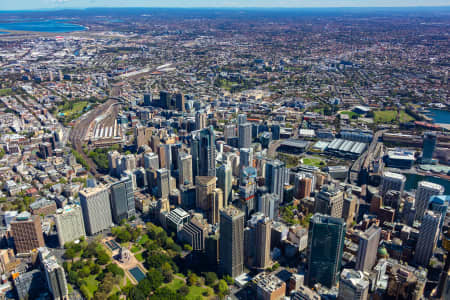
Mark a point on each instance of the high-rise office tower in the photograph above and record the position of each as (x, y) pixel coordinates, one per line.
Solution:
(425, 190)
(164, 99)
(54, 275)
(368, 247)
(128, 163)
(305, 187)
(215, 200)
(257, 241)
(166, 156)
(162, 181)
(122, 200)
(225, 183)
(275, 177)
(325, 246)
(96, 209)
(392, 181)
(148, 99)
(353, 285)
(151, 161)
(429, 144)
(428, 236)
(179, 101)
(267, 203)
(245, 135)
(113, 157)
(246, 157)
(27, 232)
(185, 169)
(204, 153)
(204, 186)
(439, 204)
(276, 131)
(200, 120)
(229, 131)
(241, 119)
(69, 224)
(231, 242)
(329, 201)
(175, 150)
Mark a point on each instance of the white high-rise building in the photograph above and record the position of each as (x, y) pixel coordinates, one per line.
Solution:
(69, 224)
(96, 209)
(151, 161)
(353, 285)
(425, 190)
(392, 181)
(428, 236)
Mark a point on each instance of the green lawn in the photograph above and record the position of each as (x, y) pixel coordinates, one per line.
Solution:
(316, 162)
(349, 113)
(390, 116)
(197, 291)
(385, 116)
(404, 117)
(143, 239)
(71, 108)
(91, 284)
(5, 92)
(135, 249)
(139, 257)
(194, 291)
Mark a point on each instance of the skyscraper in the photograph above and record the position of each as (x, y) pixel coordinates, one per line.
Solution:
(368, 247)
(429, 144)
(148, 99)
(245, 135)
(162, 181)
(231, 242)
(122, 200)
(215, 200)
(325, 246)
(200, 120)
(353, 285)
(392, 181)
(164, 99)
(246, 157)
(54, 275)
(425, 190)
(305, 187)
(205, 186)
(224, 182)
(229, 131)
(203, 152)
(185, 169)
(275, 178)
(27, 232)
(276, 131)
(96, 209)
(241, 119)
(179, 101)
(151, 161)
(329, 201)
(428, 236)
(257, 241)
(69, 224)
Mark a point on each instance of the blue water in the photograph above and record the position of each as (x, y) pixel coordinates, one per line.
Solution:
(412, 180)
(42, 26)
(137, 274)
(3, 32)
(440, 116)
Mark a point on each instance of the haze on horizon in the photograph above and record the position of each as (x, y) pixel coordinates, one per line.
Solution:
(61, 4)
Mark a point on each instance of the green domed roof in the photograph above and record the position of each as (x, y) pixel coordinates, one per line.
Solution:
(382, 251)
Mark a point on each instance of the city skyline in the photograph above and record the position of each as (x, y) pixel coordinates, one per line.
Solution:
(82, 4)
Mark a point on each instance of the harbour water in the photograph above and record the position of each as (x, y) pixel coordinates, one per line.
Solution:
(439, 116)
(42, 26)
(413, 179)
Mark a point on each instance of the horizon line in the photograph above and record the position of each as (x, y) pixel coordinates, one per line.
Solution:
(221, 7)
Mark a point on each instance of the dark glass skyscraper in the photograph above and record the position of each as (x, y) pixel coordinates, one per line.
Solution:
(122, 200)
(203, 151)
(325, 246)
(429, 144)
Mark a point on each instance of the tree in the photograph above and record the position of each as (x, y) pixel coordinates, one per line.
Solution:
(155, 278)
(183, 291)
(167, 272)
(116, 270)
(222, 288)
(70, 254)
(228, 279)
(102, 257)
(210, 278)
(85, 292)
(192, 279)
(165, 294)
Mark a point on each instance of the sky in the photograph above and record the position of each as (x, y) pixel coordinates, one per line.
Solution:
(55, 4)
